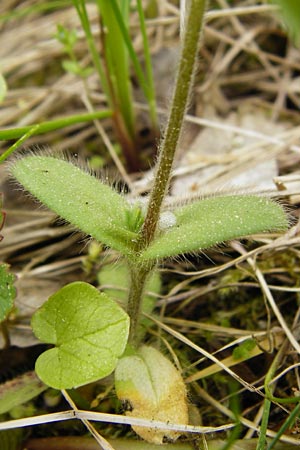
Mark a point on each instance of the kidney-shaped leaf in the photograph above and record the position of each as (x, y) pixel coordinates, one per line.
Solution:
(89, 331)
(208, 222)
(78, 197)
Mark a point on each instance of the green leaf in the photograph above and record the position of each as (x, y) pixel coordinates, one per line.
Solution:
(7, 291)
(71, 66)
(20, 390)
(154, 388)
(66, 37)
(291, 13)
(208, 222)
(116, 281)
(75, 68)
(116, 56)
(78, 197)
(89, 331)
(244, 349)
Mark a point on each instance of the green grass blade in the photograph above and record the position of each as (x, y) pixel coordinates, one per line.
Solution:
(17, 144)
(136, 64)
(45, 7)
(116, 55)
(287, 424)
(24, 133)
(45, 127)
(84, 19)
(262, 438)
(148, 66)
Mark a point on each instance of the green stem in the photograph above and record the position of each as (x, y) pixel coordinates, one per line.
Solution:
(172, 133)
(270, 375)
(138, 275)
(262, 439)
(139, 271)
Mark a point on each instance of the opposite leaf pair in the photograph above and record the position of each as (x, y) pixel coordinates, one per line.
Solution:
(108, 217)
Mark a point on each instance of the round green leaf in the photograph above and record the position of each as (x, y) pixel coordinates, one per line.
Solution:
(89, 331)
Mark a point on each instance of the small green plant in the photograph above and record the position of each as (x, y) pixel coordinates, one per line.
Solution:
(68, 39)
(91, 334)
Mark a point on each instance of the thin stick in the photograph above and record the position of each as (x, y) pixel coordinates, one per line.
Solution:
(110, 418)
(100, 440)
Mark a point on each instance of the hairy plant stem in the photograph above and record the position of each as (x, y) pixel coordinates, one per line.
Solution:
(138, 278)
(174, 126)
(166, 156)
